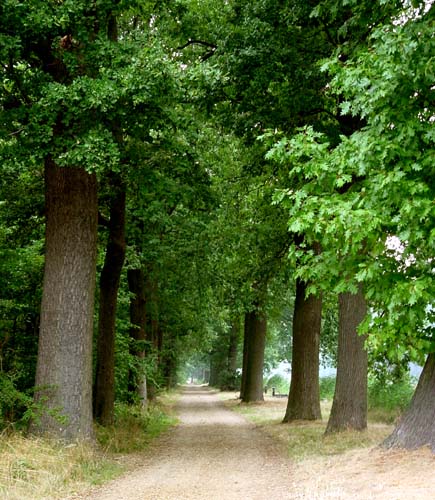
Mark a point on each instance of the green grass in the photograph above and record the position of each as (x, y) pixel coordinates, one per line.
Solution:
(134, 428)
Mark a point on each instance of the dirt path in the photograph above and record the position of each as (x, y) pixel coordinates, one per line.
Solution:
(212, 454)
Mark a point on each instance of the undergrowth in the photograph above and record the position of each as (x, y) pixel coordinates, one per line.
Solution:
(387, 400)
(41, 468)
(134, 428)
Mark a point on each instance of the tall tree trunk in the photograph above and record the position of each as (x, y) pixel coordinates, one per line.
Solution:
(417, 426)
(169, 362)
(214, 371)
(304, 397)
(154, 333)
(233, 344)
(136, 286)
(104, 390)
(255, 328)
(64, 366)
(245, 355)
(349, 408)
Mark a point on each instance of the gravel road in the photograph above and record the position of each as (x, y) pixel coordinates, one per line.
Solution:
(213, 453)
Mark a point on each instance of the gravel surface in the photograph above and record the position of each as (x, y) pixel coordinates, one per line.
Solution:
(213, 453)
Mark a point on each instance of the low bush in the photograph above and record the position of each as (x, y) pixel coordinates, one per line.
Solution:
(15, 406)
(278, 382)
(327, 387)
(133, 428)
(387, 400)
(229, 381)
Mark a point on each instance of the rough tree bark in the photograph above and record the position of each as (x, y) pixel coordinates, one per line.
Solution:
(64, 366)
(349, 408)
(104, 390)
(417, 426)
(304, 397)
(255, 340)
(136, 286)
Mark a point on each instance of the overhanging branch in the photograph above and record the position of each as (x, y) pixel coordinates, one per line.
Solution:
(211, 46)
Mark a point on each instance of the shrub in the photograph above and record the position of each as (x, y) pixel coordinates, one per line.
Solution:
(229, 381)
(391, 395)
(15, 406)
(279, 382)
(133, 428)
(327, 387)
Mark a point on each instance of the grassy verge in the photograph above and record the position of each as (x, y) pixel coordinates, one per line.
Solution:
(39, 468)
(306, 439)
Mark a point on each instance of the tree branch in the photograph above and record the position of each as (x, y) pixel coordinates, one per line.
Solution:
(205, 56)
(197, 42)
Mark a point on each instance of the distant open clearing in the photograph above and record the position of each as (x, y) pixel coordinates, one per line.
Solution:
(215, 453)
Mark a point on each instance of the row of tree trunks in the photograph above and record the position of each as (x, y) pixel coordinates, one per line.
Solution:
(64, 370)
(349, 410)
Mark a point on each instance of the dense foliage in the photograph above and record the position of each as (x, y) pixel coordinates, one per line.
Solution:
(255, 143)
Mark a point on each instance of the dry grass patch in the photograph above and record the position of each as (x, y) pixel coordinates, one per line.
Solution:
(305, 439)
(32, 467)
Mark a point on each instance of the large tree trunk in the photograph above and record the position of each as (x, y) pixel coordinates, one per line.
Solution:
(64, 367)
(104, 391)
(255, 335)
(304, 397)
(349, 408)
(417, 426)
(136, 286)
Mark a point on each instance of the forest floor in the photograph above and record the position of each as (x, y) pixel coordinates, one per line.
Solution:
(216, 453)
